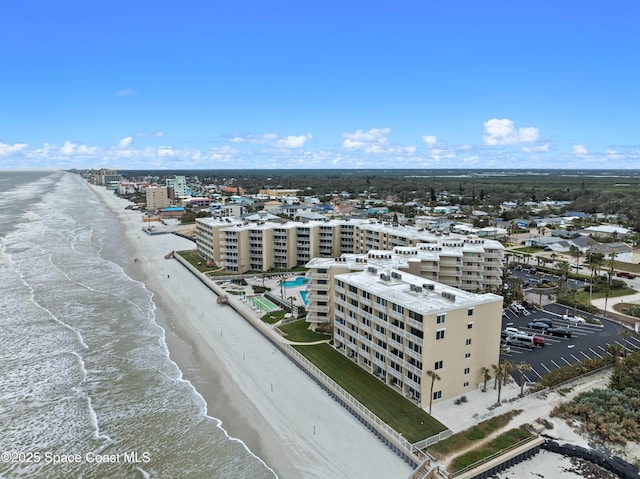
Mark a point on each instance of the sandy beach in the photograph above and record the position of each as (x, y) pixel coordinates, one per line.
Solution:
(260, 396)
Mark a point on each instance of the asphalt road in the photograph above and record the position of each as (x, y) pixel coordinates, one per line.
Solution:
(587, 341)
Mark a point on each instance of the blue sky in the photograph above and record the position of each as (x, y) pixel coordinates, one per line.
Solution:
(283, 84)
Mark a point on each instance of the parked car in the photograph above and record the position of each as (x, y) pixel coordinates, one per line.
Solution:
(538, 340)
(549, 321)
(512, 330)
(528, 304)
(518, 308)
(538, 325)
(624, 274)
(523, 343)
(574, 319)
(559, 331)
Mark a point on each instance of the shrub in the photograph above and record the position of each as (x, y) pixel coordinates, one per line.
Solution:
(566, 373)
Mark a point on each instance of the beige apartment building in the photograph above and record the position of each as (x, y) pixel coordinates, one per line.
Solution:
(465, 262)
(398, 326)
(261, 246)
(158, 197)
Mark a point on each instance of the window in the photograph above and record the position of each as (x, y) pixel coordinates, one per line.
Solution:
(467, 370)
(437, 394)
(415, 316)
(470, 312)
(440, 334)
(440, 318)
(467, 356)
(397, 308)
(466, 384)
(468, 342)
(469, 325)
(437, 365)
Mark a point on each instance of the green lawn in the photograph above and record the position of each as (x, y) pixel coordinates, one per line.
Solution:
(194, 258)
(395, 410)
(477, 433)
(299, 331)
(504, 441)
(583, 297)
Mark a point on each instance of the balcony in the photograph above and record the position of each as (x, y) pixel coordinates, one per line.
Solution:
(379, 335)
(413, 354)
(412, 368)
(447, 263)
(412, 322)
(396, 344)
(412, 384)
(319, 287)
(352, 295)
(473, 267)
(315, 276)
(379, 362)
(316, 308)
(396, 329)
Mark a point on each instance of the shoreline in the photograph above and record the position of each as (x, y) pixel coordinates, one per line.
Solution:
(257, 394)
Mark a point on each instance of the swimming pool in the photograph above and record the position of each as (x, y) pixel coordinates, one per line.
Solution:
(299, 281)
(303, 296)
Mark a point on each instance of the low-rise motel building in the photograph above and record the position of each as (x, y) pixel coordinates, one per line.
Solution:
(399, 326)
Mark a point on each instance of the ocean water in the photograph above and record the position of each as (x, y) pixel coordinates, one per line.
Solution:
(87, 388)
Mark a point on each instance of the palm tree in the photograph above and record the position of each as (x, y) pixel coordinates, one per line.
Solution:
(485, 376)
(523, 367)
(575, 252)
(624, 334)
(503, 376)
(615, 350)
(495, 376)
(611, 266)
(434, 377)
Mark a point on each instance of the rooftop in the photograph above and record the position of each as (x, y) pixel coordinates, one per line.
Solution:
(414, 292)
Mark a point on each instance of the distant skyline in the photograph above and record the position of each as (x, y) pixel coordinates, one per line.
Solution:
(282, 84)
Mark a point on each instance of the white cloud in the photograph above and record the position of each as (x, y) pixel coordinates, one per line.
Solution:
(125, 142)
(7, 150)
(534, 149)
(293, 141)
(369, 140)
(126, 92)
(430, 140)
(71, 149)
(580, 150)
(255, 139)
(503, 132)
(157, 134)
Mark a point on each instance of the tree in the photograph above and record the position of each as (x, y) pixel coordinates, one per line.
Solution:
(434, 377)
(485, 377)
(503, 375)
(575, 252)
(523, 368)
(624, 334)
(615, 350)
(611, 265)
(495, 376)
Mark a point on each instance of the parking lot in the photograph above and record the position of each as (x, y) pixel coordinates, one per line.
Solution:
(587, 341)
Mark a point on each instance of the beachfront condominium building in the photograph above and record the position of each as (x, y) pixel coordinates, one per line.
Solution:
(399, 327)
(464, 262)
(179, 186)
(157, 198)
(242, 246)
